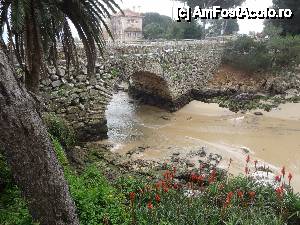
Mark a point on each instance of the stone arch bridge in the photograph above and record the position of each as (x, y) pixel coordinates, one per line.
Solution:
(160, 73)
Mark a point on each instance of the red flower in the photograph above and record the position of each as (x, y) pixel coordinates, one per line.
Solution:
(247, 170)
(279, 192)
(166, 189)
(212, 176)
(201, 178)
(150, 205)
(283, 171)
(174, 170)
(278, 178)
(228, 199)
(290, 178)
(240, 194)
(157, 198)
(158, 185)
(175, 186)
(248, 159)
(194, 177)
(132, 196)
(252, 194)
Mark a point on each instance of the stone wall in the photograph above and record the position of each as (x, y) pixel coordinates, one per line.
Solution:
(159, 73)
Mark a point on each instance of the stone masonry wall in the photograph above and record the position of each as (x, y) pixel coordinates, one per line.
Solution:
(163, 73)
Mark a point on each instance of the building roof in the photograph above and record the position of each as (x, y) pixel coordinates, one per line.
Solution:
(128, 12)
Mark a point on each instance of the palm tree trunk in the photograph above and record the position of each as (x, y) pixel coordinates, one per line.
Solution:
(33, 50)
(29, 152)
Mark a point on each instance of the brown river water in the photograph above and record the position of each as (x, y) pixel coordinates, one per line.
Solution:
(273, 138)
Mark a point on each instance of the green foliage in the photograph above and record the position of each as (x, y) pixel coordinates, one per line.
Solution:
(97, 202)
(185, 30)
(153, 31)
(60, 129)
(156, 26)
(285, 50)
(115, 73)
(248, 54)
(13, 208)
(211, 205)
(274, 54)
(288, 26)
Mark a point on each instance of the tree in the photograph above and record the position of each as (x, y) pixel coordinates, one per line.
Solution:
(35, 26)
(25, 144)
(288, 26)
(231, 26)
(155, 25)
(163, 21)
(153, 31)
(210, 3)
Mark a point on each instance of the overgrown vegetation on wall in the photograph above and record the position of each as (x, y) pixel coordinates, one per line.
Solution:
(274, 54)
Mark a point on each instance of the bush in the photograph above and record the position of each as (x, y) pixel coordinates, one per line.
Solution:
(60, 129)
(269, 55)
(285, 50)
(97, 202)
(247, 54)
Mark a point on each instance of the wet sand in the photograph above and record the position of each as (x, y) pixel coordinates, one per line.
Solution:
(273, 138)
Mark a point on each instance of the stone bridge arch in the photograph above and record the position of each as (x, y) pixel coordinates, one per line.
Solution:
(150, 88)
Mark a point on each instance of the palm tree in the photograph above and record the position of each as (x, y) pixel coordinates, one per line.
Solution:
(35, 26)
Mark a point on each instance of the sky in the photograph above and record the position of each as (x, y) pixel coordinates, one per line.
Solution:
(164, 7)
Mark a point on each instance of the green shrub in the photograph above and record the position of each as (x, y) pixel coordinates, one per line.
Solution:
(269, 55)
(247, 54)
(60, 129)
(285, 50)
(97, 202)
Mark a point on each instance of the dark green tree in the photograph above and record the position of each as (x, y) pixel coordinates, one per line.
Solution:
(153, 31)
(288, 26)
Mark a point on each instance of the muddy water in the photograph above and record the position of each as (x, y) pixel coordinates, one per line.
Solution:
(273, 139)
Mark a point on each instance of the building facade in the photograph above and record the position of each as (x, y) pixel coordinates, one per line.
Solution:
(126, 27)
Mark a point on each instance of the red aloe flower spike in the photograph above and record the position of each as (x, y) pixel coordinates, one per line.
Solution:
(247, 170)
(248, 159)
(290, 176)
(174, 170)
(255, 164)
(240, 194)
(252, 194)
(175, 186)
(278, 178)
(157, 198)
(165, 189)
(150, 205)
(132, 197)
(228, 199)
(279, 192)
(283, 171)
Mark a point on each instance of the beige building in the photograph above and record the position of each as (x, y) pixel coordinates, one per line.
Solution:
(127, 27)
